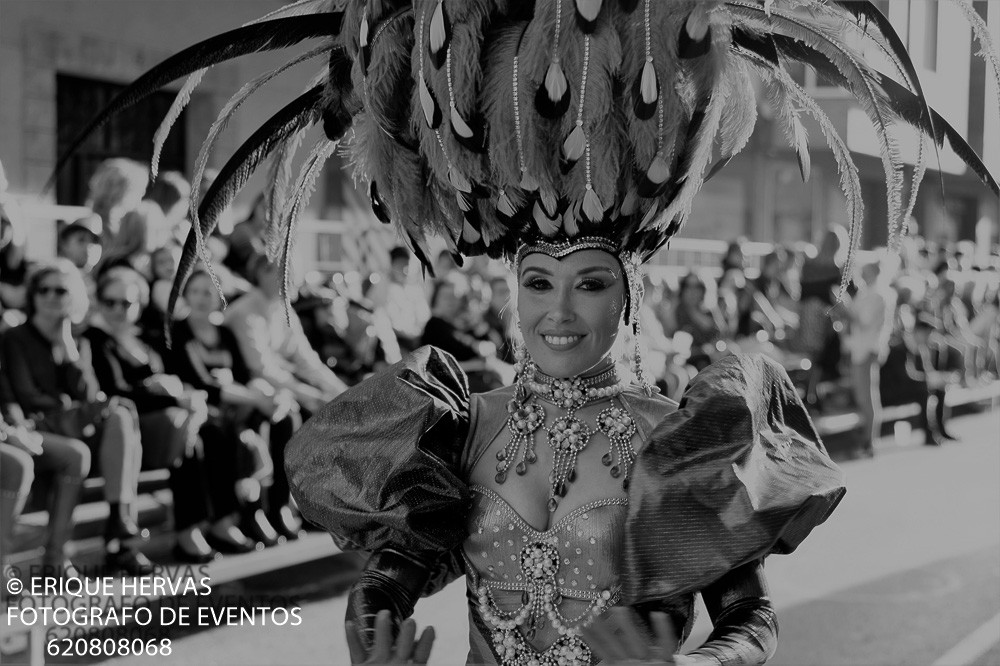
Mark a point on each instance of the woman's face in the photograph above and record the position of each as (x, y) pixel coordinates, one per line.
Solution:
(120, 303)
(570, 309)
(200, 295)
(164, 265)
(692, 293)
(54, 299)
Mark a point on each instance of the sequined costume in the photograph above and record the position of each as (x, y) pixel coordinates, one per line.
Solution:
(732, 474)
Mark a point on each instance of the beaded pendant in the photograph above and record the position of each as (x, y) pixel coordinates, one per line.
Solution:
(539, 563)
(618, 426)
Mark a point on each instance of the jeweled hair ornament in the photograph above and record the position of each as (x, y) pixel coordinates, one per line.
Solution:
(489, 122)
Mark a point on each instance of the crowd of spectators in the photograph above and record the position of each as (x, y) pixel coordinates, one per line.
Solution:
(88, 376)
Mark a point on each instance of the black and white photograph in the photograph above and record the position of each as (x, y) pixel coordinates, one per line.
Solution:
(500, 332)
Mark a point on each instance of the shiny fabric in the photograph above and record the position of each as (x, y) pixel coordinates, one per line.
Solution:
(736, 473)
(378, 466)
(745, 626)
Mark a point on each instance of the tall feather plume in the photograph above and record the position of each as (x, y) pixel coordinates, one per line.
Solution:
(303, 110)
(267, 36)
(781, 84)
(709, 85)
(875, 26)
(183, 98)
(304, 188)
(653, 140)
(981, 31)
(225, 115)
(180, 102)
(279, 172)
(852, 69)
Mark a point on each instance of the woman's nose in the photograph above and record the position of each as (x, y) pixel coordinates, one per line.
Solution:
(562, 307)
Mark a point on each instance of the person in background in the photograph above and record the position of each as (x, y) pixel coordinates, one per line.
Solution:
(13, 260)
(141, 230)
(476, 357)
(206, 355)
(50, 380)
(171, 417)
(403, 300)
(171, 192)
(66, 463)
(275, 348)
(870, 315)
(80, 242)
(115, 188)
(247, 239)
(500, 315)
(817, 337)
(163, 266)
(693, 316)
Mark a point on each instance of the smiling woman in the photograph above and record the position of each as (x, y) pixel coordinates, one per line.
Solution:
(570, 138)
(570, 310)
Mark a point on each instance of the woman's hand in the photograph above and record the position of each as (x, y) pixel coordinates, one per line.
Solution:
(382, 652)
(620, 636)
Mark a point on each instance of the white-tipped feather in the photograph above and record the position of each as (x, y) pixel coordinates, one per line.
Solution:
(647, 85)
(469, 233)
(438, 30)
(505, 206)
(588, 9)
(592, 206)
(574, 144)
(459, 125)
(555, 81)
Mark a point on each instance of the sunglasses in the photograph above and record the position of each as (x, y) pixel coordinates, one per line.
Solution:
(122, 303)
(58, 291)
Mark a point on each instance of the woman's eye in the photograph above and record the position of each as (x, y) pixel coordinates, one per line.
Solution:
(537, 284)
(592, 285)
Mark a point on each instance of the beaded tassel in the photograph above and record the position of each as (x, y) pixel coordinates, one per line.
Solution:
(552, 98)
(647, 86)
(618, 426)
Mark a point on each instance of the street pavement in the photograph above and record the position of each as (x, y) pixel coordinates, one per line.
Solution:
(906, 571)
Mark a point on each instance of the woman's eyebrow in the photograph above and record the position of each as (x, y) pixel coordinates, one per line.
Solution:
(598, 269)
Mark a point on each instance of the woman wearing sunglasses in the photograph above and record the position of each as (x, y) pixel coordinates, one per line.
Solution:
(51, 386)
(172, 416)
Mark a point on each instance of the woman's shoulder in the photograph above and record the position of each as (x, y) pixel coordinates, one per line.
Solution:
(647, 409)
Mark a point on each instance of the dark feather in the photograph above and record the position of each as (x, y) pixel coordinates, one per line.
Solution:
(378, 204)
(688, 48)
(546, 107)
(237, 171)
(254, 38)
(337, 117)
(910, 107)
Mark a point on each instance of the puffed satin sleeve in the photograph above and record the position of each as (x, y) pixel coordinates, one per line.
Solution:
(737, 472)
(378, 466)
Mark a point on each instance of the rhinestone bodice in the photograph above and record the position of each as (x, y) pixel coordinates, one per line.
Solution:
(513, 562)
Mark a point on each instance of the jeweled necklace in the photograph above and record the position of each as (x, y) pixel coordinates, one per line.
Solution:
(568, 435)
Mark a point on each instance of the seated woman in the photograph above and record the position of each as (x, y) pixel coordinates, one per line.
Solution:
(66, 462)
(170, 415)
(694, 316)
(206, 355)
(50, 379)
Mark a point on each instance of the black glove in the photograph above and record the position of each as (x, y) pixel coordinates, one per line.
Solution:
(391, 581)
(746, 627)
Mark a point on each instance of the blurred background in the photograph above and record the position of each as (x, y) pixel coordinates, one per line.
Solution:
(900, 370)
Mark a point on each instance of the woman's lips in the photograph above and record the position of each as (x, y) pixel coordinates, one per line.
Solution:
(561, 342)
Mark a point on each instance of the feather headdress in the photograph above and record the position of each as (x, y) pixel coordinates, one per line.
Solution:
(493, 123)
